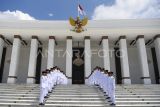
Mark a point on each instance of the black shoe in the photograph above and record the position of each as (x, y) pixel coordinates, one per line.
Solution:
(50, 92)
(41, 104)
(112, 104)
(46, 97)
(108, 97)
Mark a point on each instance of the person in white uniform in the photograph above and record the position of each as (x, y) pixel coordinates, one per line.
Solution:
(58, 74)
(49, 80)
(43, 87)
(94, 76)
(97, 76)
(111, 84)
(101, 78)
(91, 79)
(53, 75)
(63, 78)
(105, 83)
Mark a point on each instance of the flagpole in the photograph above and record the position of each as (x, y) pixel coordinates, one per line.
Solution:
(77, 7)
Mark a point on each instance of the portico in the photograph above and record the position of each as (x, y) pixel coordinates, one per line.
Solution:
(99, 41)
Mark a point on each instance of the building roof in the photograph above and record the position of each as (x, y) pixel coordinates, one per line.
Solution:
(95, 29)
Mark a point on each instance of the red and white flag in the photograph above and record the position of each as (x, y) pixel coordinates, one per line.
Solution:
(81, 10)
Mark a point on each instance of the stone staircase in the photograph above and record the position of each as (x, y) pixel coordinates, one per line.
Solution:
(138, 95)
(13, 95)
(77, 95)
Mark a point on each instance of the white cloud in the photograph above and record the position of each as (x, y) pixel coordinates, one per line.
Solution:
(15, 15)
(128, 9)
(50, 14)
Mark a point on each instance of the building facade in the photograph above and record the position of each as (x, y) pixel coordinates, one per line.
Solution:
(129, 48)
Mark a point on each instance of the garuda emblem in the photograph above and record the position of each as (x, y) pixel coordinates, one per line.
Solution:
(78, 24)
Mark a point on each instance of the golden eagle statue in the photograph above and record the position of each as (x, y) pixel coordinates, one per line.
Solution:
(78, 24)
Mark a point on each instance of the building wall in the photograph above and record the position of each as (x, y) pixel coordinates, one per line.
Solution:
(7, 64)
(96, 58)
(60, 55)
(23, 64)
(150, 64)
(134, 65)
(44, 56)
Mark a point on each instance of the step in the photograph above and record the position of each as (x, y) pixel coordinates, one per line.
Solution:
(139, 102)
(72, 101)
(85, 98)
(138, 105)
(137, 99)
(18, 101)
(78, 105)
(18, 104)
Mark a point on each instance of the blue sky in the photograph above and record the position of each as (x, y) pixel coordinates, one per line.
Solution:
(63, 9)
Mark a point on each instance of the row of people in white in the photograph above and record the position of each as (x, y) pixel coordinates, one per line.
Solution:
(49, 79)
(105, 81)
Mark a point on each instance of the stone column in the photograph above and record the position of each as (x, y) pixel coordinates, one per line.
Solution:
(143, 59)
(124, 60)
(69, 57)
(51, 47)
(1, 47)
(106, 58)
(12, 77)
(32, 60)
(87, 55)
(157, 48)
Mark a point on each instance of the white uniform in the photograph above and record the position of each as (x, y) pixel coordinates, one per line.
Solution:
(63, 79)
(101, 79)
(91, 79)
(47, 86)
(98, 77)
(50, 82)
(53, 78)
(58, 76)
(105, 84)
(95, 77)
(43, 88)
(112, 89)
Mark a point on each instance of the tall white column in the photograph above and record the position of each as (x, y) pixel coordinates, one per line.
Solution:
(105, 47)
(87, 56)
(143, 59)
(51, 47)
(12, 77)
(69, 57)
(124, 60)
(32, 60)
(157, 48)
(1, 47)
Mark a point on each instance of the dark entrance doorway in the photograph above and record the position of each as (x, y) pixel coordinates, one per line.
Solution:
(118, 66)
(2, 63)
(38, 67)
(78, 66)
(155, 64)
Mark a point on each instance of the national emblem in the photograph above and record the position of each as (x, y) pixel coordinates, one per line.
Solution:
(78, 24)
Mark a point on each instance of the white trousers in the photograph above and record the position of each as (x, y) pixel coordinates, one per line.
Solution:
(112, 96)
(46, 90)
(42, 95)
